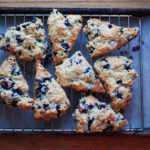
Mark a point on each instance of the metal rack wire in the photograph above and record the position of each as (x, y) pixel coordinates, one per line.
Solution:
(66, 124)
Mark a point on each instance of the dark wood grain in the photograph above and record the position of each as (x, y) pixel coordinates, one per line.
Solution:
(75, 142)
(77, 3)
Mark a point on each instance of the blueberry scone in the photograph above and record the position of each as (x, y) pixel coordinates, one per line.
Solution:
(105, 37)
(13, 86)
(63, 33)
(50, 100)
(95, 116)
(118, 78)
(27, 40)
(77, 73)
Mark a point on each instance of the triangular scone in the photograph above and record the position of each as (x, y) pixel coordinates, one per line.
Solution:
(95, 116)
(105, 37)
(27, 40)
(77, 73)
(63, 33)
(13, 87)
(50, 100)
(118, 78)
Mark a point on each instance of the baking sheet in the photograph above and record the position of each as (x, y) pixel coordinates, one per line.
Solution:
(18, 120)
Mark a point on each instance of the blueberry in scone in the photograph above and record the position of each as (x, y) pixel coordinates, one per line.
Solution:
(63, 33)
(118, 78)
(50, 100)
(13, 86)
(95, 116)
(27, 40)
(75, 72)
(104, 37)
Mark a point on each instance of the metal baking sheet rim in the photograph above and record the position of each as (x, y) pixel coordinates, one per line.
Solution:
(28, 10)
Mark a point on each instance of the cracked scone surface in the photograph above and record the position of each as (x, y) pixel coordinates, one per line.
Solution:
(50, 100)
(27, 40)
(75, 72)
(104, 37)
(95, 116)
(118, 78)
(63, 33)
(13, 86)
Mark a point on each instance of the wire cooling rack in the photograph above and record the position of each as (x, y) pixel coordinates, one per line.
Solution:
(16, 120)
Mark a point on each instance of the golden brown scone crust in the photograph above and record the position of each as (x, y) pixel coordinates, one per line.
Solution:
(105, 37)
(75, 72)
(63, 33)
(118, 78)
(95, 116)
(50, 100)
(27, 40)
(13, 87)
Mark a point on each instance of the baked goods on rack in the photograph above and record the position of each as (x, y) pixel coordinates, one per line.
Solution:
(75, 72)
(27, 40)
(118, 78)
(50, 100)
(95, 116)
(63, 33)
(13, 87)
(104, 37)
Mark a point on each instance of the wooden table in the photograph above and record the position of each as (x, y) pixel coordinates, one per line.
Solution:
(75, 142)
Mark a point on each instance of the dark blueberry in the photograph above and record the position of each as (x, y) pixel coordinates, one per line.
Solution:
(39, 107)
(91, 49)
(121, 30)
(80, 21)
(17, 92)
(18, 38)
(96, 35)
(18, 28)
(110, 26)
(48, 79)
(80, 61)
(90, 121)
(7, 39)
(67, 23)
(58, 109)
(16, 71)
(83, 102)
(87, 70)
(92, 24)
(2, 34)
(118, 95)
(34, 19)
(64, 45)
(39, 41)
(45, 106)
(100, 106)
(39, 27)
(20, 53)
(128, 38)
(107, 66)
(54, 53)
(14, 103)
(119, 81)
(79, 54)
(25, 25)
(91, 106)
(41, 90)
(7, 46)
(136, 48)
(127, 67)
(104, 59)
(7, 83)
